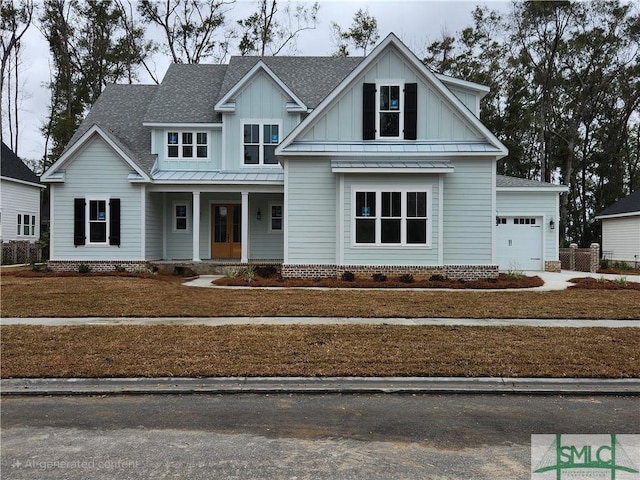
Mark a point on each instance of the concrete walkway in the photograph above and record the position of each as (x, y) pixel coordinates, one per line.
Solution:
(552, 282)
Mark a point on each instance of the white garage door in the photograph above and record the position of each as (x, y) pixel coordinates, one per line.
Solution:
(519, 244)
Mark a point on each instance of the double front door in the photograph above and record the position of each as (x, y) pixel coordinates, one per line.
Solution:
(226, 225)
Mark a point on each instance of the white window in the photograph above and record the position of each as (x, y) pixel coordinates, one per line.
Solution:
(275, 217)
(391, 217)
(389, 104)
(259, 141)
(98, 221)
(187, 144)
(181, 216)
(26, 225)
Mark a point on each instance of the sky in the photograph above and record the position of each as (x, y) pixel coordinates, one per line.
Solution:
(416, 23)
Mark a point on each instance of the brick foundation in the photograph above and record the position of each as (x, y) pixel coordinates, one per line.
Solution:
(97, 265)
(453, 272)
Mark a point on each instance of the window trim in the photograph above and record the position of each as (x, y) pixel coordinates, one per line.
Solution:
(88, 221)
(401, 108)
(33, 224)
(271, 205)
(261, 124)
(174, 217)
(194, 145)
(378, 190)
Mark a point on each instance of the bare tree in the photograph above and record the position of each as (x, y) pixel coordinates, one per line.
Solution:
(15, 20)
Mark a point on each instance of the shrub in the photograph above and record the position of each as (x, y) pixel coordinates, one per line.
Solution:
(233, 272)
(436, 278)
(120, 268)
(249, 273)
(348, 276)
(622, 281)
(622, 266)
(601, 279)
(379, 277)
(605, 263)
(84, 268)
(406, 278)
(267, 271)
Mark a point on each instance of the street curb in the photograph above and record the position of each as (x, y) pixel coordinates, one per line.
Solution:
(318, 385)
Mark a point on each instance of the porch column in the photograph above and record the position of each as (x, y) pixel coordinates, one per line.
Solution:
(244, 228)
(196, 226)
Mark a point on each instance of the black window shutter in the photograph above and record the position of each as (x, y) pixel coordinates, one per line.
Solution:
(114, 221)
(410, 111)
(369, 111)
(79, 236)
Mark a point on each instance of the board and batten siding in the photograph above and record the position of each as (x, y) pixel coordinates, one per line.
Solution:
(311, 212)
(437, 118)
(533, 204)
(96, 171)
(17, 198)
(390, 255)
(468, 213)
(260, 100)
(621, 238)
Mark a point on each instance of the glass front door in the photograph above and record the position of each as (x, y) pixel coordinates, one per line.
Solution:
(226, 232)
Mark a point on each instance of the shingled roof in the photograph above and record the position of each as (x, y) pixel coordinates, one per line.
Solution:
(627, 205)
(504, 181)
(12, 167)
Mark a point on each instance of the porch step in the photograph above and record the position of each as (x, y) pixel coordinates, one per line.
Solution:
(208, 267)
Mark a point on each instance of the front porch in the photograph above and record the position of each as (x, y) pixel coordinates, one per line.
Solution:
(209, 267)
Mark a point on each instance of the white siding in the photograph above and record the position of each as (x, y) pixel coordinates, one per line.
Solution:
(17, 198)
(213, 162)
(468, 213)
(96, 170)
(311, 212)
(621, 238)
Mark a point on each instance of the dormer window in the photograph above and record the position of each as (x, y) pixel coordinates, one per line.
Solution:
(389, 110)
(259, 142)
(187, 145)
(390, 119)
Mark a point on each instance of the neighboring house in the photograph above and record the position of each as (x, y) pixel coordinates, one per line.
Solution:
(19, 199)
(323, 164)
(621, 230)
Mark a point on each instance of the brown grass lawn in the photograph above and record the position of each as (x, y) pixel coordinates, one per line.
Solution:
(308, 350)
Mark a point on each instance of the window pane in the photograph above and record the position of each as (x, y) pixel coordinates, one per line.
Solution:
(26, 229)
(187, 138)
(365, 204)
(97, 210)
(417, 231)
(181, 210)
(389, 124)
(390, 231)
(172, 138)
(202, 152)
(391, 206)
(384, 98)
(181, 223)
(394, 98)
(276, 211)
(247, 133)
(251, 154)
(172, 151)
(202, 138)
(416, 204)
(97, 232)
(271, 134)
(365, 230)
(237, 223)
(270, 155)
(276, 224)
(221, 224)
(187, 151)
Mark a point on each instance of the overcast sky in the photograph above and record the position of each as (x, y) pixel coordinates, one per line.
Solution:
(417, 23)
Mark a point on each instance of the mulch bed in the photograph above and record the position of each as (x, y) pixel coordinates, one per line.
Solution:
(589, 283)
(503, 281)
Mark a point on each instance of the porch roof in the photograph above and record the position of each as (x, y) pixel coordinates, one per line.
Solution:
(196, 176)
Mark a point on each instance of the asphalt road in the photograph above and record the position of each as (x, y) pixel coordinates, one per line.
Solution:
(289, 436)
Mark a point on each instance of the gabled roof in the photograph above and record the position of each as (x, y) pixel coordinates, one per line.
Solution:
(11, 167)
(390, 41)
(310, 78)
(625, 207)
(118, 113)
(506, 183)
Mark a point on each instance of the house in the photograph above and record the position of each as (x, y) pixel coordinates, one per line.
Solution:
(621, 230)
(19, 199)
(322, 164)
